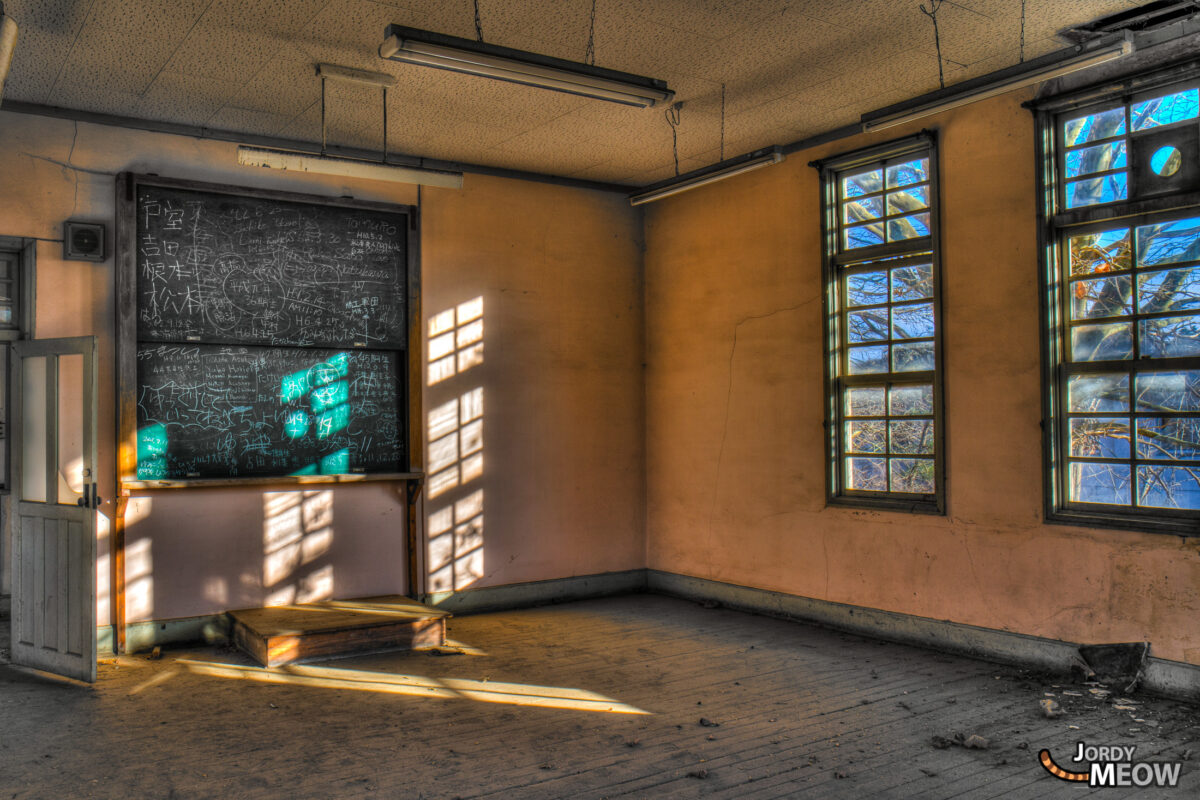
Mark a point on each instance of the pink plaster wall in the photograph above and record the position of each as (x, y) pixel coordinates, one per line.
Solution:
(735, 461)
(560, 272)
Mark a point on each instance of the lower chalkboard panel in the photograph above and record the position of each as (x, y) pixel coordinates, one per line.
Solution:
(216, 411)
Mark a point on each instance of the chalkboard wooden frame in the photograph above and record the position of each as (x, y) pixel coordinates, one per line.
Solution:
(127, 335)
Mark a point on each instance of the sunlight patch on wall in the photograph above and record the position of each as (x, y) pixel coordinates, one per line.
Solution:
(297, 533)
(454, 431)
(139, 580)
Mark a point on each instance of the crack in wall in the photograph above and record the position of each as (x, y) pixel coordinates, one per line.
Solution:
(729, 397)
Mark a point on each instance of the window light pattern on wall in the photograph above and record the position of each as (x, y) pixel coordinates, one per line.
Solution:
(1125, 311)
(883, 328)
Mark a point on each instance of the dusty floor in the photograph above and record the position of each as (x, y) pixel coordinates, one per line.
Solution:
(544, 705)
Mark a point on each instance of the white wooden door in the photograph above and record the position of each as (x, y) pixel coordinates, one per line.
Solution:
(53, 437)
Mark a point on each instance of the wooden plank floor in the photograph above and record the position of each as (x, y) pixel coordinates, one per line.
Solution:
(542, 703)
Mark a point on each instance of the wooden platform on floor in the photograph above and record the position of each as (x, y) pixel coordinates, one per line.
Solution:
(279, 635)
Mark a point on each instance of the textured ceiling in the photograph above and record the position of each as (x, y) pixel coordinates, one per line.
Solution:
(792, 69)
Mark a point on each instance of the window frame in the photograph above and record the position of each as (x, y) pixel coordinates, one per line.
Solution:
(1056, 225)
(835, 262)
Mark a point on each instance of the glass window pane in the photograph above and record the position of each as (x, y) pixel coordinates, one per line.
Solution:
(914, 171)
(1104, 297)
(1100, 437)
(1169, 242)
(867, 326)
(1170, 337)
(866, 289)
(913, 356)
(1100, 158)
(864, 401)
(1094, 127)
(859, 210)
(1169, 290)
(1090, 191)
(912, 475)
(1098, 393)
(909, 227)
(1174, 438)
(864, 235)
(912, 322)
(911, 199)
(866, 360)
(912, 283)
(907, 401)
(6, 315)
(1169, 391)
(866, 436)
(862, 183)
(1098, 483)
(1169, 487)
(1164, 110)
(34, 427)
(866, 474)
(914, 436)
(1106, 342)
(1106, 251)
(70, 429)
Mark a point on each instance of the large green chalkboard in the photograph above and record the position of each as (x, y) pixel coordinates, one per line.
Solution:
(216, 411)
(226, 268)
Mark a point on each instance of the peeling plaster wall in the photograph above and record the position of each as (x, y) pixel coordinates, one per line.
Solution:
(735, 458)
(558, 271)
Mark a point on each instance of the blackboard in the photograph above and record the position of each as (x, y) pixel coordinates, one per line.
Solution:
(216, 411)
(224, 268)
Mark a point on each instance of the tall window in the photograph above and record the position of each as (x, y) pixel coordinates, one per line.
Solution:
(884, 374)
(1123, 279)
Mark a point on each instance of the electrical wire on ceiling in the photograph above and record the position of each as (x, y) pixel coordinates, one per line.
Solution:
(672, 115)
(478, 24)
(722, 158)
(934, 7)
(589, 56)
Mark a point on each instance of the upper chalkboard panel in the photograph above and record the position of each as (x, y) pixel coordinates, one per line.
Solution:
(230, 269)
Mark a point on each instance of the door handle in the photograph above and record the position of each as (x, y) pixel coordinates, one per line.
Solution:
(85, 501)
(96, 501)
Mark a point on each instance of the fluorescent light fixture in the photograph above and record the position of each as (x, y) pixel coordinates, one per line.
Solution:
(347, 167)
(997, 83)
(437, 50)
(8, 43)
(717, 172)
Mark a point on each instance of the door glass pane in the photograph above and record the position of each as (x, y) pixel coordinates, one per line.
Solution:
(33, 425)
(70, 429)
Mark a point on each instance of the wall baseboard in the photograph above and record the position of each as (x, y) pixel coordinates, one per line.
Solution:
(537, 593)
(143, 636)
(1174, 679)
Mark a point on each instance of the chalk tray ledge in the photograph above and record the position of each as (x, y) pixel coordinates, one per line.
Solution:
(277, 480)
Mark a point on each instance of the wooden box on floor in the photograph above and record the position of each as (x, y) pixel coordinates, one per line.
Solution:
(280, 635)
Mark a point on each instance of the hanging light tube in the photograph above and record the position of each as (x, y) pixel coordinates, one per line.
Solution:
(983, 88)
(347, 167)
(437, 50)
(717, 172)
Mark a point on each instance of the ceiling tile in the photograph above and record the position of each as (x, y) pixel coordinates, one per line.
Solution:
(186, 99)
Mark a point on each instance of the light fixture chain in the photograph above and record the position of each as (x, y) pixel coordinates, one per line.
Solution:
(672, 115)
(1022, 31)
(478, 24)
(589, 57)
(934, 6)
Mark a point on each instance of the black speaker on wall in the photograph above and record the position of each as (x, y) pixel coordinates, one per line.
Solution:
(83, 241)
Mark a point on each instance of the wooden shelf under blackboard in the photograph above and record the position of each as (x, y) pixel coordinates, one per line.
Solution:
(279, 480)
